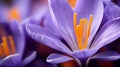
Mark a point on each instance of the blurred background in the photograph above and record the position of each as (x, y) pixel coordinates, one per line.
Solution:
(22, 9)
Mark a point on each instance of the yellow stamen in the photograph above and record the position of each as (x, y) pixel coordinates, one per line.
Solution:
(82, 31)
(84, 27)
(1, 52)
(88, 32)
(72, 3)
(12, 44)
(75, 21)
(5, 47)
(79, 38)
(91, 20)
(78, 29)
(14, 14)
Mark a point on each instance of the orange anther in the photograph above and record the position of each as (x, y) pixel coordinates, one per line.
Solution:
(72, 3)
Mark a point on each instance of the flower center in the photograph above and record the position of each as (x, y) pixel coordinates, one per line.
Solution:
(13, 14)
(7, 46)
(82, 31)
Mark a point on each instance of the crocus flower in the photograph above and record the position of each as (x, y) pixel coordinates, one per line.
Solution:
(12, 46)
(81, 33)
(112, 11)
(20, 10)
(17, 10)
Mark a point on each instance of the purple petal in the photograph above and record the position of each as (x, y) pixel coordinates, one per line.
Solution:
(81, 54)
(11, 61)
(39, 8)
(18, 36)
(112, 11)
(109, 32)
(58, 58)
(48, 22)
(63, 15)
(30, 58)
(30, 20)
(41, 30)
(3, 17)
(109, 55)
(85, 8)
(44, 36)
(45, 23)
(37, 18)
(107, 0)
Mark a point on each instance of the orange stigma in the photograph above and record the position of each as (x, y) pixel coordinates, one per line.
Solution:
(82, 31)
(13, 14)
(72, 2)
(7, 48)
